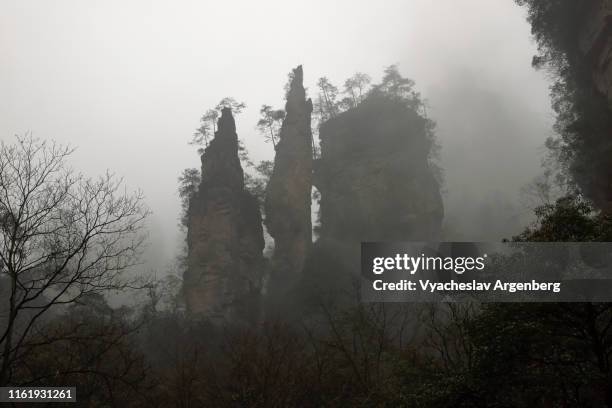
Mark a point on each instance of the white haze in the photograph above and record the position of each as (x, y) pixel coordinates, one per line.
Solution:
(126, 82)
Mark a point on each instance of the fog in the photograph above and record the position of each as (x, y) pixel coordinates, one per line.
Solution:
(126, 83)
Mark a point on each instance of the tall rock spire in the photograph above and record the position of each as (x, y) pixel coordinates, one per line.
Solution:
(288, 194)
(225, 236)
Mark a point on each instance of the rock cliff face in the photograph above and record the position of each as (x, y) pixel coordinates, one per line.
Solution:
(596, 44)
(288, 194)
(374, 177)
(225, 236)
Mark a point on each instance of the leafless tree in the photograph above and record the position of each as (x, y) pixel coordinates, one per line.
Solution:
(62, 237)
(447, 336)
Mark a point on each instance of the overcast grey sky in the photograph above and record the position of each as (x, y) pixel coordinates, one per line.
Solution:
(127, 80)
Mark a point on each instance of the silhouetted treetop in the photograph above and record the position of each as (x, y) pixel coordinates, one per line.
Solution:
(208, 122)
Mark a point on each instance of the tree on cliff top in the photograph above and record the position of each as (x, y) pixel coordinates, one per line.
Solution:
(399, 88)
(327, 105)
(208, 122)
(355, 89)
(270, 122)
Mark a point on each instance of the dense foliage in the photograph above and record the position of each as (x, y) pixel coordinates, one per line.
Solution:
(584, 120)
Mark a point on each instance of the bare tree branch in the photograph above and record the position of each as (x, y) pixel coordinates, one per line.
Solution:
(62, 236)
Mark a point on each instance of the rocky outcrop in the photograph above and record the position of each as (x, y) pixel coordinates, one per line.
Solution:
(596, 44)
(374, 177)
(288, 194)
(375, 184)
(225, 236)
